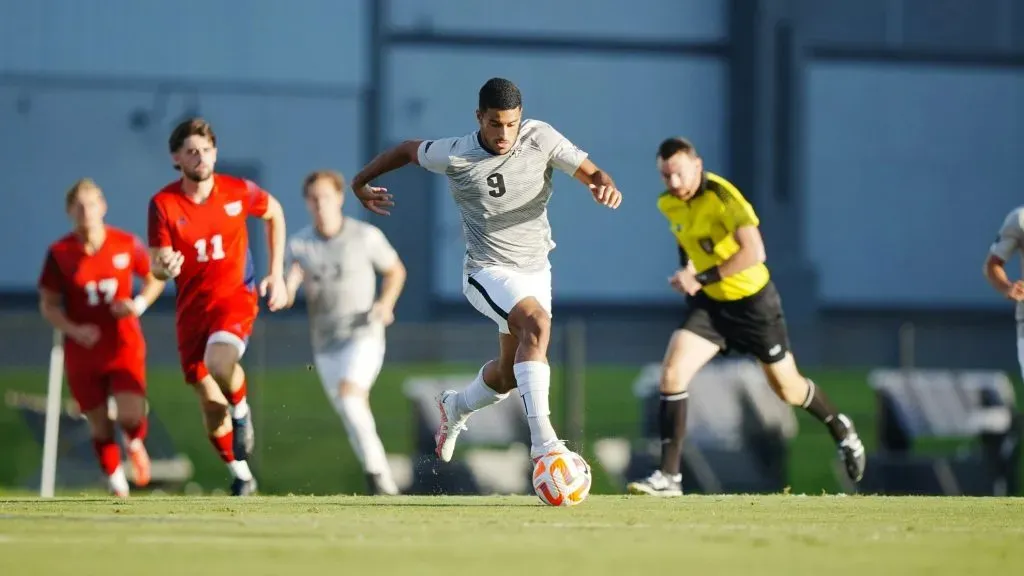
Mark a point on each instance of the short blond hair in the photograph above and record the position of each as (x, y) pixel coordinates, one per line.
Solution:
(84, 184)
(336, 179)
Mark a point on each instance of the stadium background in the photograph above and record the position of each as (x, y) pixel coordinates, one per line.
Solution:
(878, 141)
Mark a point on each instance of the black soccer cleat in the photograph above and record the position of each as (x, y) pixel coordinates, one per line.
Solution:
(851, 451)
(245, 436)
(657, 484)
(243, 487)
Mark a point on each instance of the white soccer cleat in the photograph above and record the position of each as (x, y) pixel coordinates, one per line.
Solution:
(657, 484)
(549, 447)
(382, 484)
(451, 425)
(117, 483)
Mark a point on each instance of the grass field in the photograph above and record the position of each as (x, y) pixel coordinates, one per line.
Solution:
(513, 535)
(302, 449)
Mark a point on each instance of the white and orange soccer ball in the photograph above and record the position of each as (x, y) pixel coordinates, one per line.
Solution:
(562, 479)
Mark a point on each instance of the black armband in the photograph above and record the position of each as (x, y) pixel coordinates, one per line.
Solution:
(709, 276)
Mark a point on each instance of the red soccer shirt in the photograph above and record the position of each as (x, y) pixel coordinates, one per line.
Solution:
(90, 283)
(213, 238)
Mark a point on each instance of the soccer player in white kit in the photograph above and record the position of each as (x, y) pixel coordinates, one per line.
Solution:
(500, 178)
(336, 261)
(1009, 240)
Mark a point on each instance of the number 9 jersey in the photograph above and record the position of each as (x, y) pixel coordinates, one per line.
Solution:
(216, 292)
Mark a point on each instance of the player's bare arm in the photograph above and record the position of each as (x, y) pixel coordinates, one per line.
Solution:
(273, 286)
(995, 272)
(152, 287)
(751, 253)
(375, 199)
(292, 281)
(52, 308)
(600, 183)
(1008, 242)
(392, 282)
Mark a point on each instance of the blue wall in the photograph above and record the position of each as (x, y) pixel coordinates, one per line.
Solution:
(909, 172)
(280, 84)
(92, 88)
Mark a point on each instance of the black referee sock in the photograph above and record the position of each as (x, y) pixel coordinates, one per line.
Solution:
(818, 404)
(672, 424)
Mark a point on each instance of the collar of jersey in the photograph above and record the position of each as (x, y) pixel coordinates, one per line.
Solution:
(480, 141)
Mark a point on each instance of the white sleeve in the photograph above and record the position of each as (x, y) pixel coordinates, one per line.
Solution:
(382, 254)
(1010, 237)
(563, 154)
(435, 155)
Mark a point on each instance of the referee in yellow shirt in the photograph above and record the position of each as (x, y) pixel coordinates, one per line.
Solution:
(733, 306)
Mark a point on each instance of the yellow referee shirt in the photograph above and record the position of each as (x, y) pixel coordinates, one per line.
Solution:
(705, 228)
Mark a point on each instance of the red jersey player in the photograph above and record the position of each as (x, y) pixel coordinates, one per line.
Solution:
(198, 237)
(86, 292)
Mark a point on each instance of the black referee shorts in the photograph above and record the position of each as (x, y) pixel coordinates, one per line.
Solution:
(753, 325)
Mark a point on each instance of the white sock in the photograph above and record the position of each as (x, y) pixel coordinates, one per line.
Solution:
(240, 410)
(240, 469)
(477, 395)
(118, 481)
(534, 380)
(362, 434)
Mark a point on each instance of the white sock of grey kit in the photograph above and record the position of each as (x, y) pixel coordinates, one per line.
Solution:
(477, 395)
(534, 380)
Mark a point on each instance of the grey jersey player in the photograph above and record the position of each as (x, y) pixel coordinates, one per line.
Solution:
(337, 261)
(500, 178)
(502, 198)
(1009, 241)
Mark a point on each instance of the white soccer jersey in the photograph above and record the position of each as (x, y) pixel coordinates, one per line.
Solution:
(503, 200)
(1010, 240)
(341, 280)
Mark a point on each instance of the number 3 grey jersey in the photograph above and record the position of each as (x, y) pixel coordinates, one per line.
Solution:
(503, 199)
(340, 279)
(1010, 240)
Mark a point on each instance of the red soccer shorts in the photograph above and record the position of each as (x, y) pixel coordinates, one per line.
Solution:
(230, 322)
(92, 385)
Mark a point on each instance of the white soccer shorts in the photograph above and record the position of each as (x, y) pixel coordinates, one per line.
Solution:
(495, 291)
(358, 362)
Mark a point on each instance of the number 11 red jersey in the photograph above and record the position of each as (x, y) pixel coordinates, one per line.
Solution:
(213, 238)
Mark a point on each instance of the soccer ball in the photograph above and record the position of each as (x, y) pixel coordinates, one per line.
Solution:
(561, 479)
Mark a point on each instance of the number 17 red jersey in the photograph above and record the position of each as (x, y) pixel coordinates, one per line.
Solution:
(88, 285)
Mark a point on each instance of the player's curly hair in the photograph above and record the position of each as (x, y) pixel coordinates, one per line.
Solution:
(500, 94)
(669, 147)
(336, 179)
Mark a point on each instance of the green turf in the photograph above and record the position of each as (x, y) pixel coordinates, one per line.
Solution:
(302, 448)
(784, 535)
